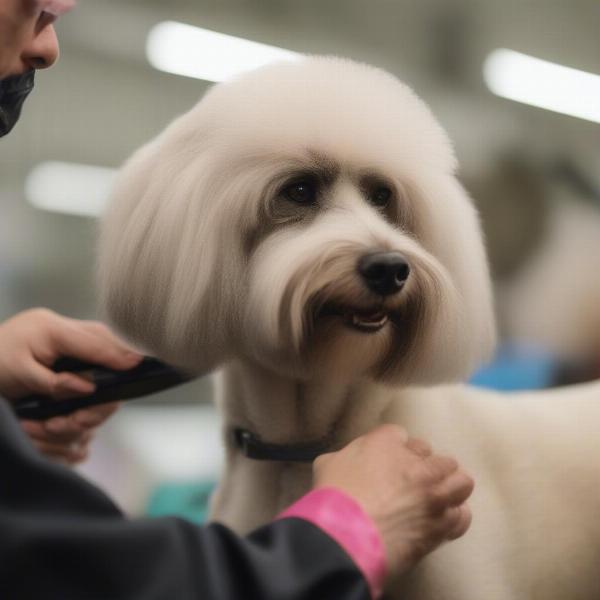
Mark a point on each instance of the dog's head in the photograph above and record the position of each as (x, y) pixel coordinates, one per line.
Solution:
(307, 217)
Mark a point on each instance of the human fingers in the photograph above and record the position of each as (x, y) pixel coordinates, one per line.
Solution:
(34, 429)
(38, 378)
(73, 339)
(100, 329)
(459, 521)
(49, 453)
(419, 447)
(64, 453)
(456, 488)
(94, 415)
(388, 432)
(70, 428)
(66, 458)
(81, 420)
(436, 467)
(55, 430)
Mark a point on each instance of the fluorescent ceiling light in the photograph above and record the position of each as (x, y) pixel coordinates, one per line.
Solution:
(69, 188)
(544, 84)
(193, 52)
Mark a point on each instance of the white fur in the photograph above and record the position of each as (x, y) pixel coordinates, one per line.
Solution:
(205, 263)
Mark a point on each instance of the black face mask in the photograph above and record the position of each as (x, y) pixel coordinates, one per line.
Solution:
(13, 91)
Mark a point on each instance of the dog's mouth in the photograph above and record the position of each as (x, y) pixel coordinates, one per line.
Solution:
(365, 320)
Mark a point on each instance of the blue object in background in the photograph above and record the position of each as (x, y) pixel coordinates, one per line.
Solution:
(188, 500)
(517, 367)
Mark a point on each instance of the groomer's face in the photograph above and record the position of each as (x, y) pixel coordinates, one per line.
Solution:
(27, 37)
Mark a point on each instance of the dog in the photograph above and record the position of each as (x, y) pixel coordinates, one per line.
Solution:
(302, 230)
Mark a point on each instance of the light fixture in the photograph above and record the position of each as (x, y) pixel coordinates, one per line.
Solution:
(544, 84)
(69, 188)
(194, 52)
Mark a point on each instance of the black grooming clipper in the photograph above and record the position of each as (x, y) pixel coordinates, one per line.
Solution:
(150, 376)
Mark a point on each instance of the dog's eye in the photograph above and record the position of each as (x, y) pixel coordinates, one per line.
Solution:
(301, 192)
(380, 196)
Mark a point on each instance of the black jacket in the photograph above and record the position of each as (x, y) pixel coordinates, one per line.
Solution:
(63, 539)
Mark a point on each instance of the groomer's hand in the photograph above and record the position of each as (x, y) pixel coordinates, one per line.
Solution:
(415, 497)
(30, 343)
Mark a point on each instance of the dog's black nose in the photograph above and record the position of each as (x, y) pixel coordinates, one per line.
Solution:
(384, 272)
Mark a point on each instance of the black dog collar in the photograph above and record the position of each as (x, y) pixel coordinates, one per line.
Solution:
(251, 446)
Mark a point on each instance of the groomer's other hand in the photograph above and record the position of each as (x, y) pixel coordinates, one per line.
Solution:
(415, 497)
(30, 343)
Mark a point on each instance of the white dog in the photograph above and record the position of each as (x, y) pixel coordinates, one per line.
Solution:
(302, 227)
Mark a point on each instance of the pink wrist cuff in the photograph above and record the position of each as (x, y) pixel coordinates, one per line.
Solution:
(343, 519)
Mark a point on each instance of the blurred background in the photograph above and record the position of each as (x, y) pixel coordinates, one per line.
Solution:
(534, 173)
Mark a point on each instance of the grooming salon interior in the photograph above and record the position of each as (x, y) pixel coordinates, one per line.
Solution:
(515, 83)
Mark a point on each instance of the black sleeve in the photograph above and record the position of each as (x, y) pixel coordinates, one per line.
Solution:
(63, 539)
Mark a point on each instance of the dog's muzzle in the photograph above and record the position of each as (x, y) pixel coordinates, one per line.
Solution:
(384, 274)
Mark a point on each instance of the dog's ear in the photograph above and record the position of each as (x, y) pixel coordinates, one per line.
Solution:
(166, 272)
(465, 333)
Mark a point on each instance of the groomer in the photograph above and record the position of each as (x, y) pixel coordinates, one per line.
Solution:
(377, 506)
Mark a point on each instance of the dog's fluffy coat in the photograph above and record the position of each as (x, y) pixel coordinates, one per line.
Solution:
(206, 261)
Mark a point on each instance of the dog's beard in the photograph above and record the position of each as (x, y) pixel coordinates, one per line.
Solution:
(310, 315)
(361, 334)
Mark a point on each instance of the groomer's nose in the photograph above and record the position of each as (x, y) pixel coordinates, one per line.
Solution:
(42, 51)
